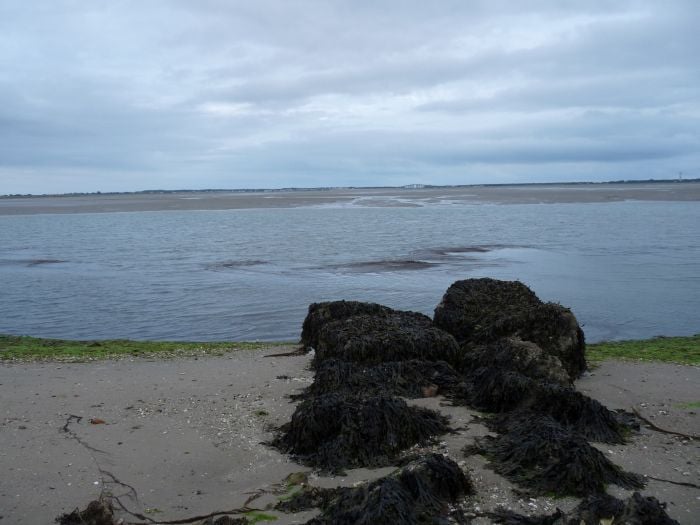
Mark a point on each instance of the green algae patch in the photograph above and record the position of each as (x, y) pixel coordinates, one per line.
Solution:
(24, 348)
(255, 516)
(681, 350)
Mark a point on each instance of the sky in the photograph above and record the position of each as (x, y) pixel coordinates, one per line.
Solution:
(133, 95)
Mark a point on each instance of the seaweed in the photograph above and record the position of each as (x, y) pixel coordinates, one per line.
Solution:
(97, 512)
(341, 430)
(542, 455)
(414, 494)
(581, 413)
(481, 311)
(320, 314)
(552, 327)
(512, 353)
(636, 510)
(492, 389)
(472, 305)
(413, 378)
(396, 336)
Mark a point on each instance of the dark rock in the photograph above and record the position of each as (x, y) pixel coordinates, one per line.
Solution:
(514, 354)
(491, 389)
(471, 306)
(326, 312)
(337, 431)
(481, 311)
(397, 336)
(516, 396)
(417, 493)
(544, 457)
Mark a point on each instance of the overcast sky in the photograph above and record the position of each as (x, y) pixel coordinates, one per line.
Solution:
(130, 95)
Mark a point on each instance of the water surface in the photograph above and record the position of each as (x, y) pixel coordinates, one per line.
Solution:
(627, 269)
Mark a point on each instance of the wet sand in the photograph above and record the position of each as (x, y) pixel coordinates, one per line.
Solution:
(393, 197)
(186, 434)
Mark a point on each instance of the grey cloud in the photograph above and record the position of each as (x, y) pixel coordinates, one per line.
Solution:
(133, 95)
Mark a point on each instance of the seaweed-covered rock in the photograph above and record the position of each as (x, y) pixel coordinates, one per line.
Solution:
(492, 389)
(470, 306)
(412, 378)
(416, 493)
(553, 328)
(580, 413)
(544, 457)
(516, 396)
(97, 512)
(397, 336)
(322, 313)
(340, 430)
(595, 510)
(484, 310)
(512, 353)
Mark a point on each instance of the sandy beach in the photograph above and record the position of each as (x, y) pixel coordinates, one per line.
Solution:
(180, 437)
(399, 197)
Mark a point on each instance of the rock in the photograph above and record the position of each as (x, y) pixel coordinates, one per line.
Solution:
(481, 311)
(395, 336)
(339, 430)
(544, 457)
(514, 354)
(413, 378)
(323, 313)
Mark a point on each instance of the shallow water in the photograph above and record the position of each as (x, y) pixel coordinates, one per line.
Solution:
(627, 269)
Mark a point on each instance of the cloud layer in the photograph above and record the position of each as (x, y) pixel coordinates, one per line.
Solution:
(139, 95)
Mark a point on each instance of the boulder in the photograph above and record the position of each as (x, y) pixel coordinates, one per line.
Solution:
(481, 311)
(340, 430)
(544, 457)
(396, 336)
(514, 354)
(412, 378)
(326, 312)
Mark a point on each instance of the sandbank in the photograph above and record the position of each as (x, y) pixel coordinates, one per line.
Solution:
(356, 197)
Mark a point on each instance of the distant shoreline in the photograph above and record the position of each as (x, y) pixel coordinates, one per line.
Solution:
(185, 200)
(337, 188)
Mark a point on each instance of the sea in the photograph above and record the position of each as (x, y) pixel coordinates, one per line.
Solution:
(627, 269)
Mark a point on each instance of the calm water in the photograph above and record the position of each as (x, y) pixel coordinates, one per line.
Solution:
(628, 269)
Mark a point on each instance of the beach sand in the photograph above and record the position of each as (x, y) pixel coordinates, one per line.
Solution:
(395, 197)
(186, 434)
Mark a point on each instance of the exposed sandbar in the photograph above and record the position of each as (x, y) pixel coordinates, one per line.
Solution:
(378, 197)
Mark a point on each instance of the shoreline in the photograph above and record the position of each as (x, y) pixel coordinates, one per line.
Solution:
(355, 198)
(188, 433)
(683, 350)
